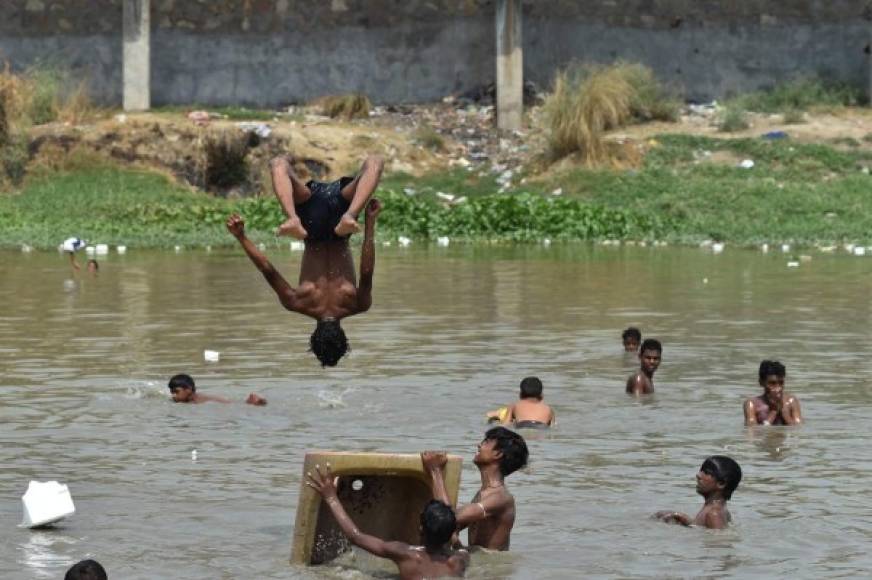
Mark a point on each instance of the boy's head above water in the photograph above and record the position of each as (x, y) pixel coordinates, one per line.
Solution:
(328, 342)
(771, 371)
(631, 338)
(502, 446)
(650, 353)
(437, 524)
(531, 388)
(182, 388)
(718, 473)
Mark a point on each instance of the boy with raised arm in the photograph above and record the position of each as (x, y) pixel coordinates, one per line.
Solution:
(716, 481)
(491, 515)
(324, 215)
(774, 406)
(642, 381)
(435, 559)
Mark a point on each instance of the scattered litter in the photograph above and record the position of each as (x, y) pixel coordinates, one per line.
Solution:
(558, 191)
(261, 246)
(703, 109)
(459, 200)
(443, 241)
(101, 249)
(409, 191)
(404, 241)
(827, 249)
(705, 280)
(775, 135)
(122, 118)
(90, 250)
(546, 242)
(297, 246)
(785, 248)
(262, 130)
(178, 249)
(747, 164)
(859, 251)
(849, 248)
(121, 249)
(865, 170)
(26, 249)
(805, 258)
(46, 503)
(793, 264)
(199, 117)
(211, 355)
(717, 247)
(194, 455)
(764, 248)
(445, 196)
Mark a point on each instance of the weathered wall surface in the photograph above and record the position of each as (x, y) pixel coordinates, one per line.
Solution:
(271, 52)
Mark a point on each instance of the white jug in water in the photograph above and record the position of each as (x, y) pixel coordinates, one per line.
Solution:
(46, 503)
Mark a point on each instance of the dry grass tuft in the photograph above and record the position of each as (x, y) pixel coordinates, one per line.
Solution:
(349, 107)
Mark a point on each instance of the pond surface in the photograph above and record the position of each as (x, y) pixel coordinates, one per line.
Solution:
(83, 400)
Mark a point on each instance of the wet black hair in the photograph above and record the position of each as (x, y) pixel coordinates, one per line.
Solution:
(512, 446)
(437, 523)
(725, 470)
(632, 332)
(651, 344)
(181, 380)
(328, 342)
(771, 367)
(86, 570)
(531, 388)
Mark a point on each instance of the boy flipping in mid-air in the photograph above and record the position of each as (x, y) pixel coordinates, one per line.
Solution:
(491, 515)
(436, 558)
(774, 406)
(529, 412)
(642, 381)
(716, 481)
(183, 390)
(324, 215)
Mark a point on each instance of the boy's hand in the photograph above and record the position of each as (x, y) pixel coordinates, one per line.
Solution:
(373, 208)
(434, 460)
(322, 482)
(235, 225)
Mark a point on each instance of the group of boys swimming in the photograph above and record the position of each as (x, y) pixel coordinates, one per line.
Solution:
(324, 215)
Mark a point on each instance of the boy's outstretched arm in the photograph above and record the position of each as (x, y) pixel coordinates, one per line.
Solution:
(323, 483)
(286, 294)
(367, 257)
(670, 517)
(434, 464)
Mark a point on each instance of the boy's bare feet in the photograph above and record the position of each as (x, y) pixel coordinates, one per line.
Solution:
(347, 225)
(293, 228)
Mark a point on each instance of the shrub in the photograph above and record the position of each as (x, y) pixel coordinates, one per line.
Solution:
(429, 138)
(801, 94)
(354, 106)
(733, 119)
(793, 117)
(44, 98)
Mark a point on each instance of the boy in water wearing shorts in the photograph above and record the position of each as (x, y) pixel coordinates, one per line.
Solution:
(323, 215)
(529, 412)
(716, 481)
(774, 406)
(642, 381)
(435, 559)
(183, 390)
(491, 515)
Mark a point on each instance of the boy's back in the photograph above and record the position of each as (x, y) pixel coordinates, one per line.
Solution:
(532, 410)
(420, 564)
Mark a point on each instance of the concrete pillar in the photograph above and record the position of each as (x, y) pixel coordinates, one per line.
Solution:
(510, 66)
(137, 55)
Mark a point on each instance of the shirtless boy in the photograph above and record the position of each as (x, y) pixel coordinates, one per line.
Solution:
(491, 515)
(631, 338)
(324, 215)
(774, 406)
(529, 412)
(716, 481)
(183, 390)
(435, 559)
(642, 381)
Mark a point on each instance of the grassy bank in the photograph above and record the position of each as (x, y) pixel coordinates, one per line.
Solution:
(688, 189)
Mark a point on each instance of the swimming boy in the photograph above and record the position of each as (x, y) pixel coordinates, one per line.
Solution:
(436, 558)
(631, 338)
(529, 412)
(324, 215)
(774, 406)
(642, 381)
(92, 266)
(491, 515)
(716, 481)
(183, 390)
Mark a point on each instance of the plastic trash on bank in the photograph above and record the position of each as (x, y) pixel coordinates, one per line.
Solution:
(46, 503)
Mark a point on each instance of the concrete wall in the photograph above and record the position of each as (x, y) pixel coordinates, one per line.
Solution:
(272, 52)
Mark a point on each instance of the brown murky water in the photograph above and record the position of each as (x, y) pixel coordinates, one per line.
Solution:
(84, 363)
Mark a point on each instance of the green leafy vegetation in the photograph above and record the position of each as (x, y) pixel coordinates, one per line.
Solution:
(733, 119)
(800, 94)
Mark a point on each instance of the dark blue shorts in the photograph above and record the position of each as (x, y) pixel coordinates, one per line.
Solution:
(320, 214)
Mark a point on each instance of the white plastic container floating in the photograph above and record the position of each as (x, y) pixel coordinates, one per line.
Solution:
(442, 241)
(717, 247)
(46, 503)
(764, 248)
(211, 355)
(297, 246)
(859, 251)
(90, 250)
(793, 264)
(178, 249)
(101, 249)
(121, 249)
(404, 241)
(26, 248)
(785, 248)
